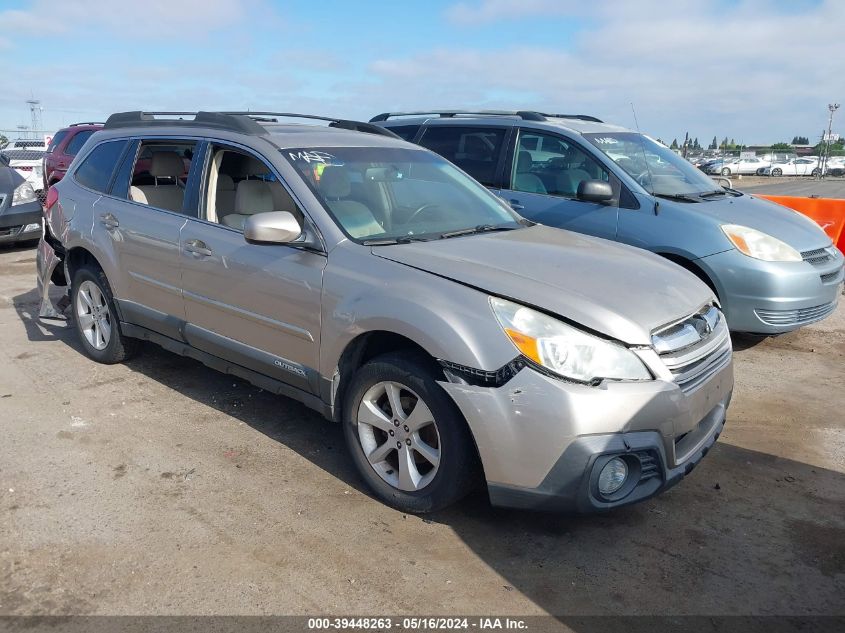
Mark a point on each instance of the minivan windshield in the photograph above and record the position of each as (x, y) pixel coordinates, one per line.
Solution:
(387, 195)
(657, 168)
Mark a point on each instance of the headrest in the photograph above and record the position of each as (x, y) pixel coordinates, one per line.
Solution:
(250, 166)
(334, 183)
(225, 182)
(167, 164)
(523, 161)
(253, 196)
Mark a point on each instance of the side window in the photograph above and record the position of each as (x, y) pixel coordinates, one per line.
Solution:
(239, 185)
(58, 138)
(473, 149)
(405, 132)
(96, 170)
(548, 164)
(75, 144)
(161, 172)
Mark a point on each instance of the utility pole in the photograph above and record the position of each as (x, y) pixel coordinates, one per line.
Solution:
(833, 107)
(35, 113)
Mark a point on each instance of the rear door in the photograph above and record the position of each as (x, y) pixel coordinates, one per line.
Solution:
(142, 231)
(257, 305)
(542, 184)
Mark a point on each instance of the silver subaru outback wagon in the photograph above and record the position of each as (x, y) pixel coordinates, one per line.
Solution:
(369, 278)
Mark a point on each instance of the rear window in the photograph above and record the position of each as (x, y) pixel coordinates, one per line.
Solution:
(405, 132)
(57, 139)
(473, 149)
(77, 142)
(96, 170)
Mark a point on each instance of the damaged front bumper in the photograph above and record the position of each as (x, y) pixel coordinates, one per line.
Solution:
(542, 440)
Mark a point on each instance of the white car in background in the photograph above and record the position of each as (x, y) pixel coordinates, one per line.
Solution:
(835, 166)
(29, 163)
(795, 167)
(744, 166)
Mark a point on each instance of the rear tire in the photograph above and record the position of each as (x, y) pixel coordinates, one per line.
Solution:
(95, 318)
(414, 458)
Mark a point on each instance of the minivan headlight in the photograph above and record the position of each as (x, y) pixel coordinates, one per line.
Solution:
(23, 193)
(563, 349)
(760, 245)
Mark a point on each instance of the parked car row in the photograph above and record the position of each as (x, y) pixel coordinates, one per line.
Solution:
(455, 338)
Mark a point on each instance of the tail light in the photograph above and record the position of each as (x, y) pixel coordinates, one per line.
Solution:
(52, 198)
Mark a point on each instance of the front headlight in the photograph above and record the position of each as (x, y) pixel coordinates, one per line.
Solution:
(760, 245)
(23, 194)
(563, 349)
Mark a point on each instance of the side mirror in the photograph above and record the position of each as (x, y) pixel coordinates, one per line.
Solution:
(595, 191)
(273, 227)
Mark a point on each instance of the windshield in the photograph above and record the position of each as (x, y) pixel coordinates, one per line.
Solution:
(657, 168)
(385, 193)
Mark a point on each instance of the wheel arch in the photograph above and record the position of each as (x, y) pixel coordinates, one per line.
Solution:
(695, 269)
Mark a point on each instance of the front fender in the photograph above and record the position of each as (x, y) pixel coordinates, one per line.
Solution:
(450, 321)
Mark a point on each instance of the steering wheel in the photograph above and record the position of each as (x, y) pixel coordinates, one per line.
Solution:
(419, 210)
(642, 178)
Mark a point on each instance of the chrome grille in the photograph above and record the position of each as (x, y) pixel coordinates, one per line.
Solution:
(796, 317)
(817, 256)
(694, 349)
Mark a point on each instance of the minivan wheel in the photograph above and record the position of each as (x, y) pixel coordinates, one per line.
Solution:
(95, 318)
(726, 171)
(407, 438)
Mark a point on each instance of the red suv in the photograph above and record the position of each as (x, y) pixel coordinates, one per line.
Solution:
(64, 146)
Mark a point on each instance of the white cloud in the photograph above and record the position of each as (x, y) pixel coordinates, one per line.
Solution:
(485, 11)
(750, 72)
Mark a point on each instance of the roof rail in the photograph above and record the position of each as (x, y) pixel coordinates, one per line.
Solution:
(86, 123)
(526, 115)
(345, 124)
(244, 122)
(580, 117)
(200, 119)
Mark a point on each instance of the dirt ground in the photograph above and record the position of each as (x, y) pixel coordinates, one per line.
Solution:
(162, 487)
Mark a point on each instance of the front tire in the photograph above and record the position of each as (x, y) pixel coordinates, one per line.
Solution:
(95, 318)
(777, 172)
(407, 438)
(726, 171)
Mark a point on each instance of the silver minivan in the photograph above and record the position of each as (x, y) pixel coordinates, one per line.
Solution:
(456, 342)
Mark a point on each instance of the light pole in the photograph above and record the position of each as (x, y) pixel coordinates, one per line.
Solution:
(833, 107)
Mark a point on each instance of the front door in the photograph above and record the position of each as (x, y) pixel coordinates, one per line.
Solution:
(257, 305)
(544, 179)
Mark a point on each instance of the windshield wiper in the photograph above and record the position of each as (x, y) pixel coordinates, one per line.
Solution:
(481, 228)
(402, 239)
(678, 196)
(710, 194)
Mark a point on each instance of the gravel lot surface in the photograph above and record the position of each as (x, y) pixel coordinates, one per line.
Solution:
(163, 487)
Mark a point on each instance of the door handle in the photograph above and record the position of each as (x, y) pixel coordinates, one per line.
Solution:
(516, 206)
(109, 221)
(197, 247)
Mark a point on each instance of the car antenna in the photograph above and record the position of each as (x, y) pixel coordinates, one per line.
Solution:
(645, 160)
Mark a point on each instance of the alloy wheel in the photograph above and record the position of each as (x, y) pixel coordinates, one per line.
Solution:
(399, 436)
(93, 316)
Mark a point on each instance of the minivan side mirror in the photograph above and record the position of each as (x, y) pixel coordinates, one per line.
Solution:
(272, 227)
(595, 191)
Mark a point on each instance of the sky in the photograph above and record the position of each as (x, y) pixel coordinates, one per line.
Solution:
(757, 71)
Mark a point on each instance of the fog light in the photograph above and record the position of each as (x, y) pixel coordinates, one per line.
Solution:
(612, 477)
(31, 227)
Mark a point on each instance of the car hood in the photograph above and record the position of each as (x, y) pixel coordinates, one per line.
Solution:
(610, 288)
(789, 226)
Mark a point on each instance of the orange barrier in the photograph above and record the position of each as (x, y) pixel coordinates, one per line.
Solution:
(829, 213)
